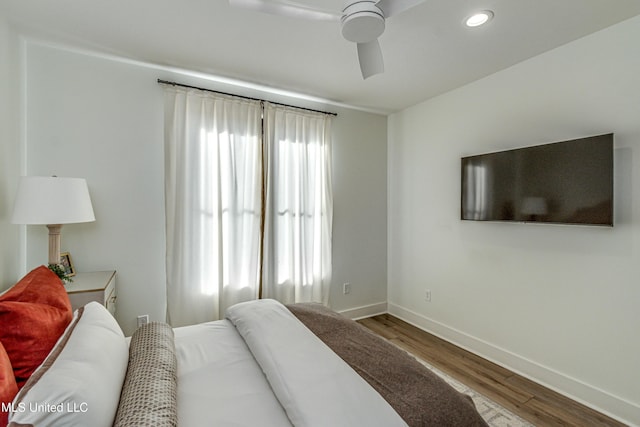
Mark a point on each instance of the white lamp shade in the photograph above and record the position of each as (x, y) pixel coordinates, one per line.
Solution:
(534, 206)
(52, 200)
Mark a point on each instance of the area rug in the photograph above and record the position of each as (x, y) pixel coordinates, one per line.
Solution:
(495, 415)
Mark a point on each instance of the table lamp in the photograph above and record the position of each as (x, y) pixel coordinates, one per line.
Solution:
(52, 201)
(534, 207)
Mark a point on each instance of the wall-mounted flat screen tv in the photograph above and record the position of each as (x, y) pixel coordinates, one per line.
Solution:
(569, 182)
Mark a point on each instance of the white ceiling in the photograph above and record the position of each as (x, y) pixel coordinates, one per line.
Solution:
(427, 50)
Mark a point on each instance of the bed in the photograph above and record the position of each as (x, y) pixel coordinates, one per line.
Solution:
(265, 364)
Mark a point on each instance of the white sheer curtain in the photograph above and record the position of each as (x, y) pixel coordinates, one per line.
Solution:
(298, 208)
(213, 203)
(477, 183)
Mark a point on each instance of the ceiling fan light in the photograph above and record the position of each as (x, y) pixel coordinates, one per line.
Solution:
(363, 27)
(479, 18)
(362, 21)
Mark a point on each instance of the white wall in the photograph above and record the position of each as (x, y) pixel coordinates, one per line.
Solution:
(102, 119)
(10, 158)
(557, 303)
(360, 213)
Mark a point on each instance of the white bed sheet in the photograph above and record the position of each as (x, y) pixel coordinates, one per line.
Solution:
(219, 381)
(312, 383)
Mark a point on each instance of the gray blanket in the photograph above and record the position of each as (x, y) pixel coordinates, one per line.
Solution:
(418, 395)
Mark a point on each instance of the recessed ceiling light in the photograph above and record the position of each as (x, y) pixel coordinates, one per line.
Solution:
(479, 18)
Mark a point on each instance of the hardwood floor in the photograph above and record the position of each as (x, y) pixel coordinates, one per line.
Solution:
(531, 401)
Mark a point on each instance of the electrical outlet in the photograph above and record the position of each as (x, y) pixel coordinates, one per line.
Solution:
(143, 320)
(427, 295)
(346, 288)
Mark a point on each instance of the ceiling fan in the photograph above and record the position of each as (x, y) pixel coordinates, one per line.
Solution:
(362, 21)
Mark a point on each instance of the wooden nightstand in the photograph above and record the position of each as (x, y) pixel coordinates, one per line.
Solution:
(97, 286)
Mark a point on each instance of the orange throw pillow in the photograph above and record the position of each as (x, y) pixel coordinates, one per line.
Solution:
(8, 386)
(33, 313)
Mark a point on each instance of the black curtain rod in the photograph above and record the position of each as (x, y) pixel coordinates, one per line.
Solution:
(165, 82)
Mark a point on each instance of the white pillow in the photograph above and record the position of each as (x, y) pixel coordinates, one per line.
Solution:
(79, 382)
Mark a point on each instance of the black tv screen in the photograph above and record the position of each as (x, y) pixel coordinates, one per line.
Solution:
(569, 182)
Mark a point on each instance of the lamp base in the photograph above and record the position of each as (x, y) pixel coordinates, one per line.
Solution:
(54, 243)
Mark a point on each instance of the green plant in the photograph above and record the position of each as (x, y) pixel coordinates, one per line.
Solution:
(57, 268)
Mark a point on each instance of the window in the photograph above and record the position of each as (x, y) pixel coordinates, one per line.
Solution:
(248, 203)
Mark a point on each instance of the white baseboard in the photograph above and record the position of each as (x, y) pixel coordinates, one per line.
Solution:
(613, 406)
(365, 311)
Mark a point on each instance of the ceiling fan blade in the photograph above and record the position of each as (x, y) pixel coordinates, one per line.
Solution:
(370, 56)
(394, 7)
(285, 8)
